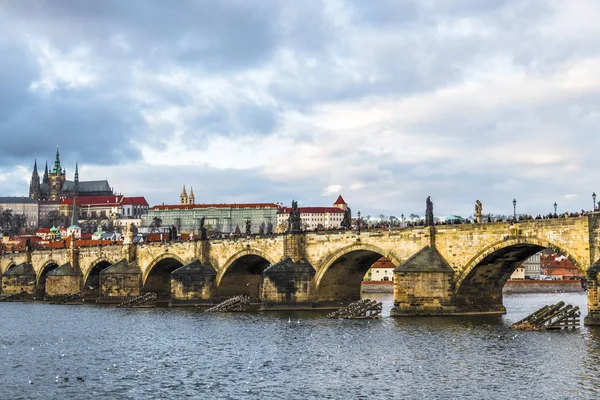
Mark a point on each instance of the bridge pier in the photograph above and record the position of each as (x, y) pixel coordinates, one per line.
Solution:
(62, 281)
(593, 295)
(193, 283)
(287, 285)
(120, 281)
(424, 285)
(21, 278)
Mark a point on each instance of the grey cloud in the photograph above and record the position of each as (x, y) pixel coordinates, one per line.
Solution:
(205, 34)
(335, 62)
(163, 185)
(92, 130)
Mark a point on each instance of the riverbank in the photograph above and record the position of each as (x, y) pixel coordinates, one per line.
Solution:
(515, 286)
(531, 286)
(377, 287)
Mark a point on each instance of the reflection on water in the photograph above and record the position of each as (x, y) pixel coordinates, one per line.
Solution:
(183, 353)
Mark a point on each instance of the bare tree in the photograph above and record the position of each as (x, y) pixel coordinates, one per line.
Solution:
(18, 221)
(6, 218)
(156, 223)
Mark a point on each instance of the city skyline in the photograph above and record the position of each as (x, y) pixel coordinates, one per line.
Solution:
(385, 104)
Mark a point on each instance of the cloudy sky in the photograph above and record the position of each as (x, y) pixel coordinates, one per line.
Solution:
(387, 102)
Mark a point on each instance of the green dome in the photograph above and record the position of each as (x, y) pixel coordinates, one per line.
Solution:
(53, 229)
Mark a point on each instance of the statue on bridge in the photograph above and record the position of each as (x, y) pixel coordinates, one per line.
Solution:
(478, 212)
(429, 212)
(347, 221)
(173, 233)
(203, 235)
(248, 227)
(294, 220)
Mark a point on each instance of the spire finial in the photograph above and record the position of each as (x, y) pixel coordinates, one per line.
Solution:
(74, 218)
(76, 172)
(57, 168)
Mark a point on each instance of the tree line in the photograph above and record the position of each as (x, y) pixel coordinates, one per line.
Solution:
(10, 222)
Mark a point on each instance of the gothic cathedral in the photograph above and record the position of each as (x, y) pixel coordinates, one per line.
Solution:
(54, 186)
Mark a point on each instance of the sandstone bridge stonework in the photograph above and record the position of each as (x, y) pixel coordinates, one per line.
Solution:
(446, 269)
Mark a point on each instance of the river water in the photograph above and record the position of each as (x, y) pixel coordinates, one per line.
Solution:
(109, 353)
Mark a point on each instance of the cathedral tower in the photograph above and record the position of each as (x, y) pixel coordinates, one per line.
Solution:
(56, 179)
(34, 184)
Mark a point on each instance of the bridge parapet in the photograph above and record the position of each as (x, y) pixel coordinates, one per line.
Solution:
(463, 245)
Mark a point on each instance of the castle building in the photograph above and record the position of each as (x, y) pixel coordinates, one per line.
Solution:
(218, 218)
(54, 185)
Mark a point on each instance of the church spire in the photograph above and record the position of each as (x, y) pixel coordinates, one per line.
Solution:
(191, 198)
(45, 179)
(76, 172)
(74, 217)
(34, 184)
(57, 169)
(183, 197)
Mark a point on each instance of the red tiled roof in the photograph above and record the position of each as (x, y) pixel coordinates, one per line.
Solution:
(193, 206)
(43, 230)
(383, 263)
(135, 201)
(340, 200)
(94, 200)
(312, 210)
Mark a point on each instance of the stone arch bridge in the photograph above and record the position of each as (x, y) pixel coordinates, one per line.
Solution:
(445, 269)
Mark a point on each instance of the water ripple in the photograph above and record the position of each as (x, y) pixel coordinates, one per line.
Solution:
(182, 353)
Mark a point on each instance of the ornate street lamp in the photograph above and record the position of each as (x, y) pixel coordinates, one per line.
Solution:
(358, 222)
(555, 208)
(594, 198)
(515, 209)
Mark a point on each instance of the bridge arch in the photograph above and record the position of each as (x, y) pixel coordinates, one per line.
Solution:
(341, 274)
(242, 273)
(91, 278)
(157, 276)
(245, 252)
(10, 265)
(479, 284)
(47, 267)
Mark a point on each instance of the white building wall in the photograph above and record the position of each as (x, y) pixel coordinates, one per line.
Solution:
(382, 274)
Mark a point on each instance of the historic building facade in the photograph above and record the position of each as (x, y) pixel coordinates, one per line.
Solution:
(314, 218)
(54, 185)
(22, 206)
(218, 218)
(105, 207)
